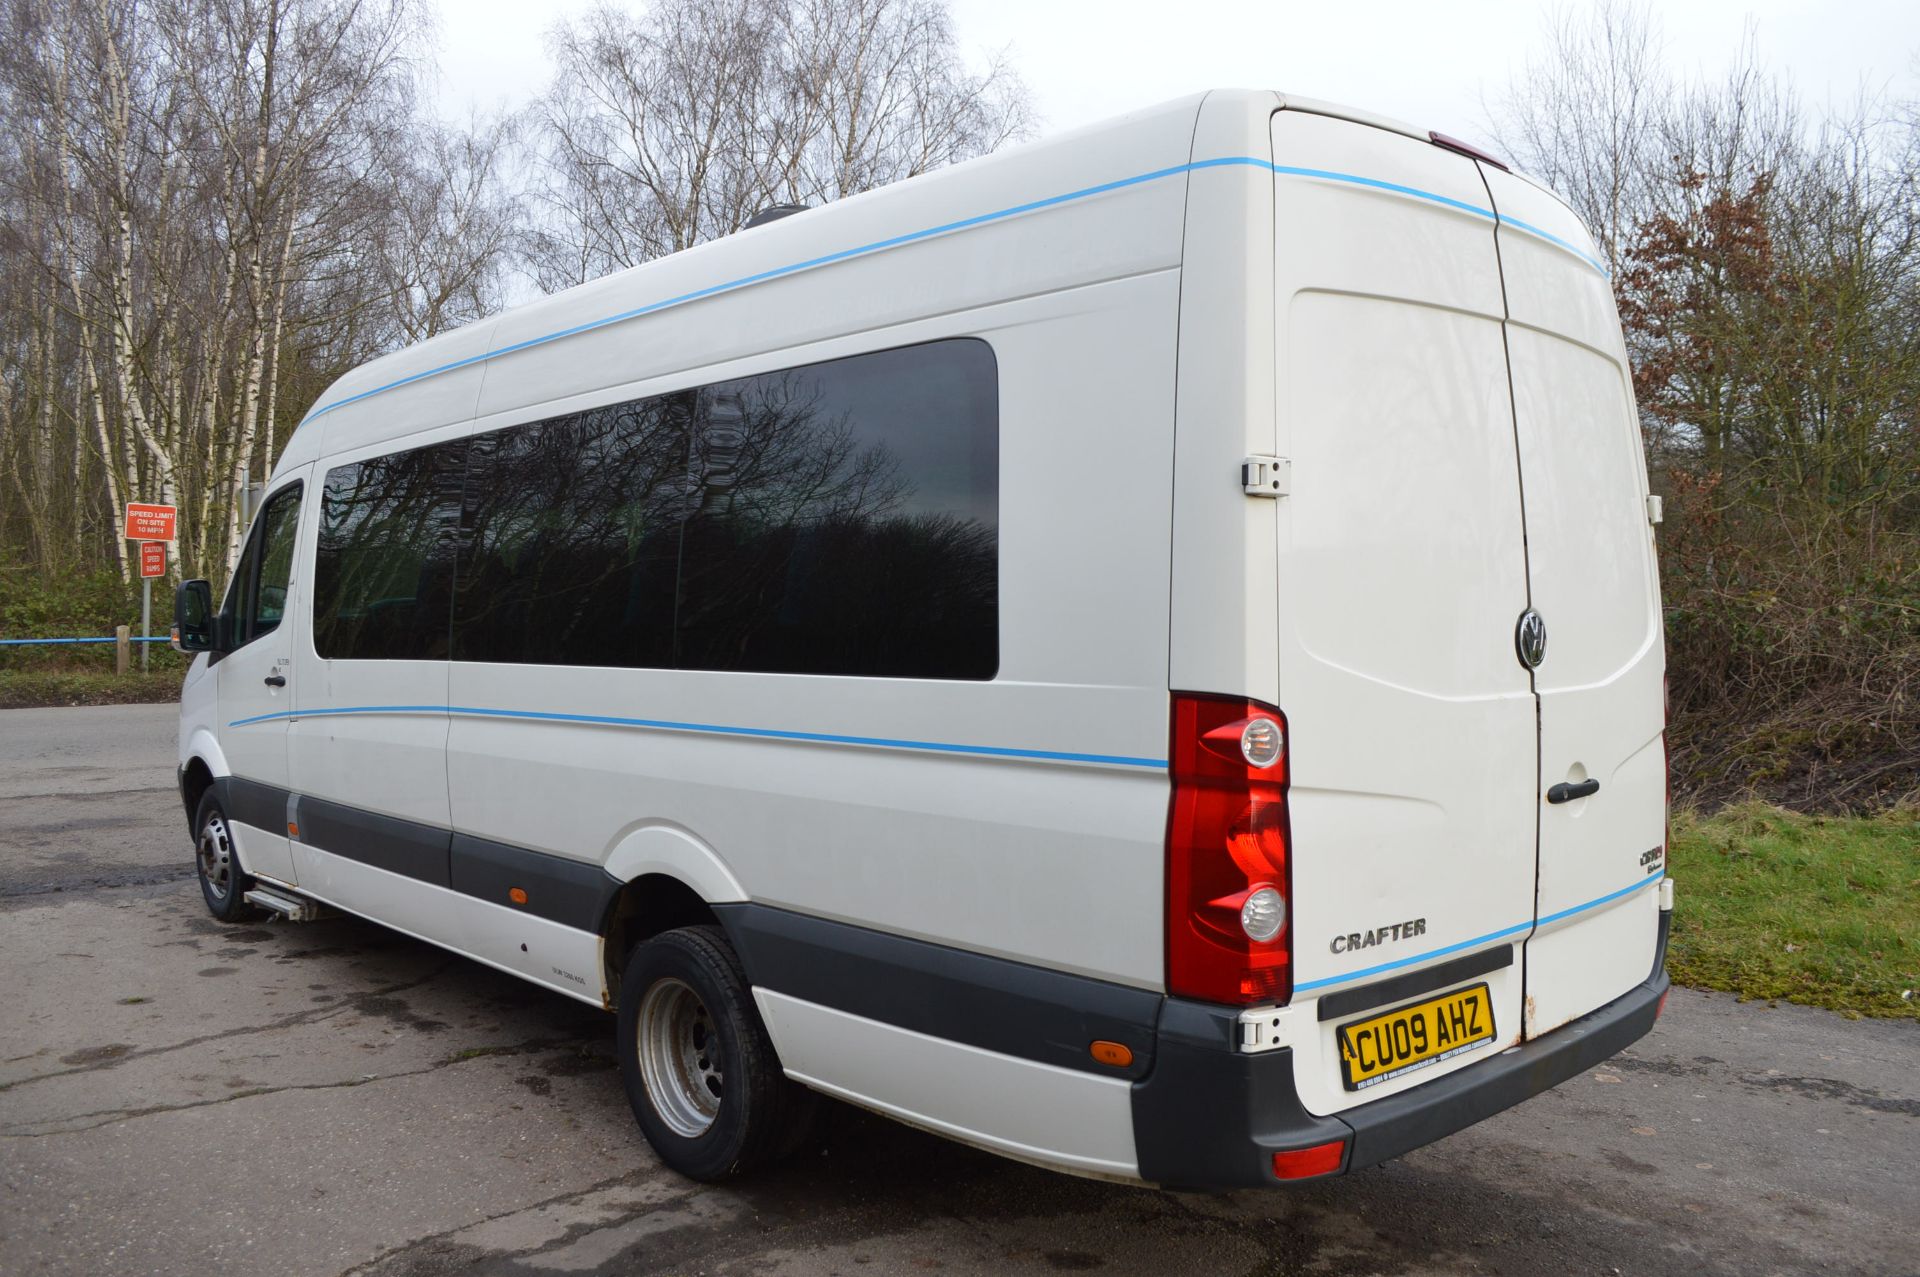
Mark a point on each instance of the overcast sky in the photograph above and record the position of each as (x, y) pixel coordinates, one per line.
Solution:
(1424, 62)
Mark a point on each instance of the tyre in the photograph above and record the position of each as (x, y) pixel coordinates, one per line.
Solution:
(700, 1070)
(223, 883)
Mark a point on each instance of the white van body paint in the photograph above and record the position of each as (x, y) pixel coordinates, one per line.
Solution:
(655, 848)
(1428, 340)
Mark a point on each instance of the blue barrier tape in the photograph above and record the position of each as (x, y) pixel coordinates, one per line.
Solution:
(131, 638)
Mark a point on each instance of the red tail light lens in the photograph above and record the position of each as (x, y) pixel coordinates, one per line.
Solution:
(1227, 853)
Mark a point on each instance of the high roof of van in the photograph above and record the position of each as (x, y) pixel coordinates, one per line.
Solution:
(441, 380)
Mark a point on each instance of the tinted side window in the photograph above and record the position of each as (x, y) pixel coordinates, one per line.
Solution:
(257, 595)
(844, 517)
(572, 536)
(278, 523)
(383, 578)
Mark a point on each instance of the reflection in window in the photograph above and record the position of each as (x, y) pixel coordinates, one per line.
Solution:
(572, 538)
(839, 518)
(383, 579)
(278, 523)
(257, 596)
(843, 519)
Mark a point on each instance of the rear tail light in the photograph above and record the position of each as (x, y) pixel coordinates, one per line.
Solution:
(1229, 889)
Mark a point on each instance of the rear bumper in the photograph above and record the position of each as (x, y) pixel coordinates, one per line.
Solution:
(1209, 1116)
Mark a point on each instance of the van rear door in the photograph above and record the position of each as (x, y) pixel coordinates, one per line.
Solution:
(1592, 579)
(1402, 573)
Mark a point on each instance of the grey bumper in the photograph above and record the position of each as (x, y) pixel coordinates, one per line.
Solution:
(1209, 1116)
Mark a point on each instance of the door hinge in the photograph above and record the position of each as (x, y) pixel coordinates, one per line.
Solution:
(1654, 509)
(1266, 476)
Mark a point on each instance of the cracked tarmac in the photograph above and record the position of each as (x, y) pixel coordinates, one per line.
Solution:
(181, 1097)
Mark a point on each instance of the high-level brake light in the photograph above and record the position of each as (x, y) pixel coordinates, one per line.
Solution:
(1228, 877)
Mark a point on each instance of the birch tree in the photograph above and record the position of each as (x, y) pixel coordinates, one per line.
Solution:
(195, 187)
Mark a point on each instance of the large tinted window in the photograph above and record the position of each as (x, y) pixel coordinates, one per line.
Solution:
(572, 538)
(839, 518)
(843, 519)
(383, 580)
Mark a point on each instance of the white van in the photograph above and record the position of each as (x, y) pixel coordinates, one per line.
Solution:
(1140, 653)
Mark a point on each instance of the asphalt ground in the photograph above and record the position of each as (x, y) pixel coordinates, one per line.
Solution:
(178, 1096)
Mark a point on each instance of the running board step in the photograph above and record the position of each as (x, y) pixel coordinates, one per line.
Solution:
(292, 908)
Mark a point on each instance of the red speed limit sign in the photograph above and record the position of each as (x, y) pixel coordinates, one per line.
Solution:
(153, 558)
(150, 522)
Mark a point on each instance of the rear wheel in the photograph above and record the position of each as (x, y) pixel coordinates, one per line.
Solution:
(223, 883)
(700, 1070)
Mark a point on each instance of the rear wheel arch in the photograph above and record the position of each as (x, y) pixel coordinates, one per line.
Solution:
(647, 906)
(667, 849)
(668, 878)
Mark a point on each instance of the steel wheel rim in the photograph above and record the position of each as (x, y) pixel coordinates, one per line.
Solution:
(215, 854)
(679, 1057)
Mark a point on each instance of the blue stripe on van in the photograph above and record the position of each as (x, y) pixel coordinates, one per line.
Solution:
(714, 729)
(1501, 934)
(1557, 242)
(965, 223)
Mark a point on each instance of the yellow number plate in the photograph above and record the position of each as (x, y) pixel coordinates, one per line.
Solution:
(1374, 1049)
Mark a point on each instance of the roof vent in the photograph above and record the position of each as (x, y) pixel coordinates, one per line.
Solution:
(773, 213)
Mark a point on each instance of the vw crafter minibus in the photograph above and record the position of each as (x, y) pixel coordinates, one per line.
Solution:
(1140, 653)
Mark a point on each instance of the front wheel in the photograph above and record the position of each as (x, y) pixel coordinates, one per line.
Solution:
(700, 1070)
(223, 883)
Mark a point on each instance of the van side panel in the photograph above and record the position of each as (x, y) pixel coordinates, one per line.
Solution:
(1021, 817)
(1224, 549)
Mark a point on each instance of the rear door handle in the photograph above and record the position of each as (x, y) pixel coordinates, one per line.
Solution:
(275, 680)
(1565, 793)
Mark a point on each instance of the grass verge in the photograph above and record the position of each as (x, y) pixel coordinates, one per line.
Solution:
(1823, 911)
(33, 688)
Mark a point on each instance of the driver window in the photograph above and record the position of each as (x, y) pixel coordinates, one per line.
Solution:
(268, 565)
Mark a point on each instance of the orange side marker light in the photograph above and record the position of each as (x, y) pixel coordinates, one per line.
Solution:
(1117, 1054)
(517, 895)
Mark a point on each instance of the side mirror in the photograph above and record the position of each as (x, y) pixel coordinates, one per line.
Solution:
(194, 620)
